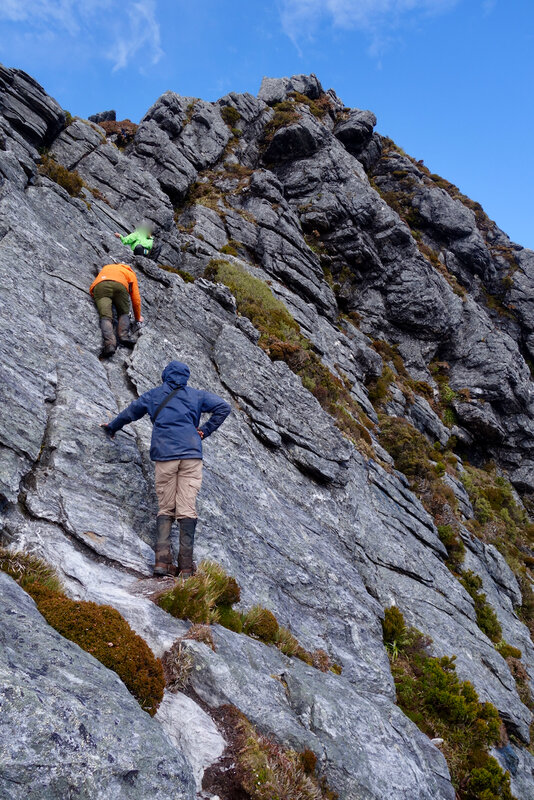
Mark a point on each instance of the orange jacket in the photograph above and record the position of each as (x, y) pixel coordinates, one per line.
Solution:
(124, 274)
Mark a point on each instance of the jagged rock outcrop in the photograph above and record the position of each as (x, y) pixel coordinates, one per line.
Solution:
(64, 715)
(313, 529)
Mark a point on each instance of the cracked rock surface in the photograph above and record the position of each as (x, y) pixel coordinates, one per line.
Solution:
(311, 528)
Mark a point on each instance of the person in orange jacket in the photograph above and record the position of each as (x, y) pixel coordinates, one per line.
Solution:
(115, 285)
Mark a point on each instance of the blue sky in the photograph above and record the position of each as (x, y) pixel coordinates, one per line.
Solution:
(449, 80)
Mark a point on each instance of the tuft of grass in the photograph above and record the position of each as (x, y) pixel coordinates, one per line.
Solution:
(267, 771)
(230, 618)
(231, 248)
(286, 642)
(260, 623)
(177, 667)
(68, 179)
(201, 633)
(442, 706)
(285, 114)
(208, 596)
(319, 108)
(28, 570)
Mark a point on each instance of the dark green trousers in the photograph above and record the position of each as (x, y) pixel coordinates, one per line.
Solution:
(107, 294)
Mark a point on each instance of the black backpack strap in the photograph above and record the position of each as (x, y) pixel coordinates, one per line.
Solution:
(165, 401)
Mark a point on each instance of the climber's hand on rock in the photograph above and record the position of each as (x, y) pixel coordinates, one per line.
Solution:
(107, 430)
(200, 433)
(118, 235)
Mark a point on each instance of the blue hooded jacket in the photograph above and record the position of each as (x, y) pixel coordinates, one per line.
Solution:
(175, 431)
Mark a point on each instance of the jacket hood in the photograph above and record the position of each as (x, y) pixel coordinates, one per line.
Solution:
(176, 374)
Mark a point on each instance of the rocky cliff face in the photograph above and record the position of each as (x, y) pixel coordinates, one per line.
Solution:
(413, 303)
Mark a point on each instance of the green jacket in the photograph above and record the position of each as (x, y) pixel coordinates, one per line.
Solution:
(139, 236)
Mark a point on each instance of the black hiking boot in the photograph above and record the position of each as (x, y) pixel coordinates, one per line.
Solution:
(123, 331)
(108, 335)
(155, 252)
(164, 565)
(186, 567)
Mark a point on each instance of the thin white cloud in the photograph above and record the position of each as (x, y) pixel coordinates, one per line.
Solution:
(301, 18)
(142, 35)
(117, 31)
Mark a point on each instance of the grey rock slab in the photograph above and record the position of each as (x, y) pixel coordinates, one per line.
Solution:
(58, 738)
(103, 116)
(298, 140)
(162, 158)
(461, 495)
(356, 131)
(520, 764)
(25, 104)
(274, 90)
(425, 419)
(75, 142)
(304, 708)
(192, 731)
(87, 579)
(312, 439)
(450, 216)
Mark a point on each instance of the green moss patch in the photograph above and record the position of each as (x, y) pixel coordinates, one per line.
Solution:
(100, 630)
(442, 706)
(68, 179)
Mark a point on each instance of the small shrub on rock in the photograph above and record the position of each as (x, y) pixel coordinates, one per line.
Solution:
(260, 623)
(103, 632)
(454, 545)
(268, 771)
(230, 618)
(285, 114)
(261, 769)
(488, 782)
(68, 179)
(230, 115)
(507, 650)
(443, 706)
(408, 448)
(486, 617)
(393, 628)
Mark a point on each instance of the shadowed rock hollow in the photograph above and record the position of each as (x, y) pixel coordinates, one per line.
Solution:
(413, 304)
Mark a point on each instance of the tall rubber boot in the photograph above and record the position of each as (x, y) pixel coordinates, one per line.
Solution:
(123, 331)
(164, 565)
(186, 567)
(108, 335)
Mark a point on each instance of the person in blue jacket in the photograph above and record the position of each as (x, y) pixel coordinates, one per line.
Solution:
(176, 448)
